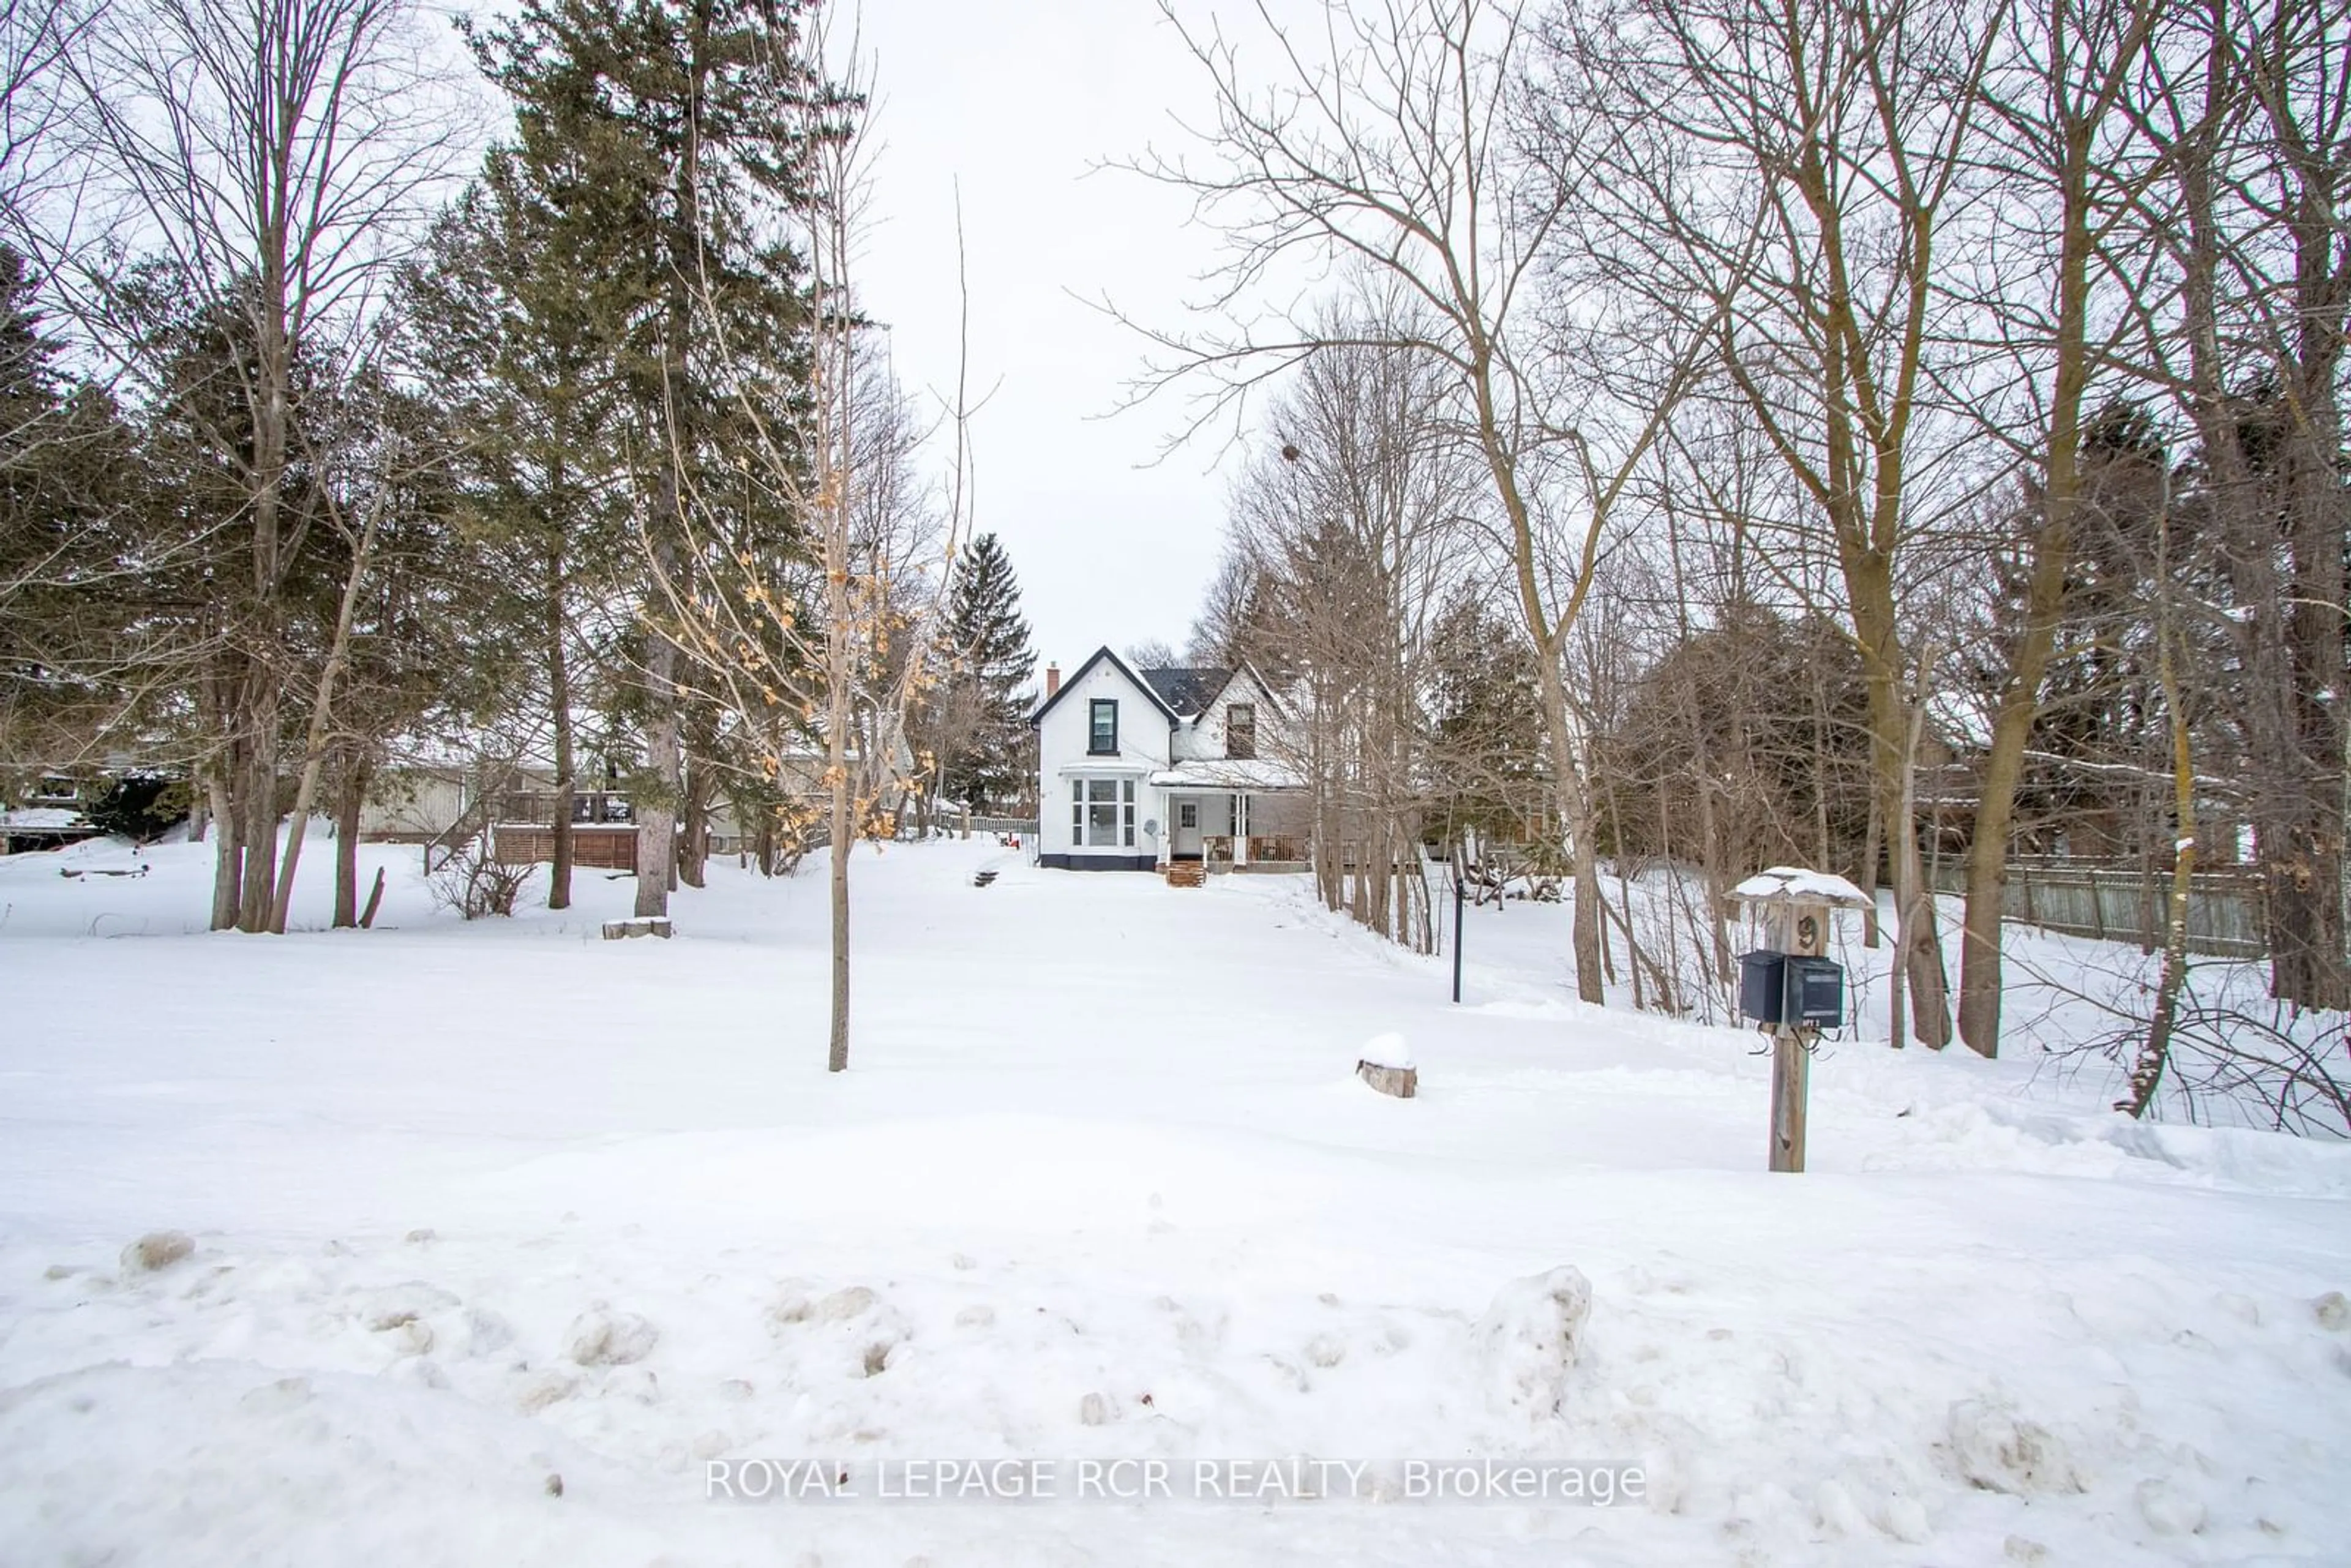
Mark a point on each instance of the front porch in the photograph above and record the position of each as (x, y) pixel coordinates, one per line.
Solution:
(1234, 829)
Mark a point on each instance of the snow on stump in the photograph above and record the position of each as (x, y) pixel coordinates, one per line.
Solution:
(648, 925)
(156, 1251)
(1387, 1067)
(604, 1338)
(1529, 1339)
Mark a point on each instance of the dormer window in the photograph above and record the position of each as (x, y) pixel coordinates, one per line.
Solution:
(1103, 733)
(1240, 730)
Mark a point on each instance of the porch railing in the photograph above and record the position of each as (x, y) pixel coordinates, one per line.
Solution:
(1261, 847)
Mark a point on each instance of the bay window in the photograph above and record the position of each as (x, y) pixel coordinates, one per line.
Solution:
(1101, 813)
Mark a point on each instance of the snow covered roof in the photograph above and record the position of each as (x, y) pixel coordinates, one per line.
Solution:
(1188, 689)
(1125, 668)
(1227, 773)
(1791, 882)
(44, 819)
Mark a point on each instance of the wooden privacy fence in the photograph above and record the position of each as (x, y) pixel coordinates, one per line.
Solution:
(594, 846)
(2130, 904)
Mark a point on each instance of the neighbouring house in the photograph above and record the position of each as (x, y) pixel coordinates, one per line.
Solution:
(1140, 769)
(51, 815)
(441, 806)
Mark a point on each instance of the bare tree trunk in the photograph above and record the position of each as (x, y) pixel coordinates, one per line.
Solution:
(1918, 954)
(694, 826)
(1897, 727)
(1867, 877)
(2155, 1052)
(2318, 973)
(1576, 811)
(350, 797)
(228, 851)
(657, 818)
(840, 677)
(322, 707)
(558, 692)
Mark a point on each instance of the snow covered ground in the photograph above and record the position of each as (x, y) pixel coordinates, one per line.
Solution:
(476, 1206)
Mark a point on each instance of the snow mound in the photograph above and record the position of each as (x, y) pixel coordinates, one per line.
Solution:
(602, 1337)
(1388, 1050)
(126, 1464)
(1994, 1451)
(1530, 1337)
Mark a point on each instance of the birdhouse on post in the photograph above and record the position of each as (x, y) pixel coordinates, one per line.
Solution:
(1793, 987)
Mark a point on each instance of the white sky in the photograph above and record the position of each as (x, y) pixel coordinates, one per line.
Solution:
(1018, 99)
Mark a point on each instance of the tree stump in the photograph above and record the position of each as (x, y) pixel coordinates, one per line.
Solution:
(647, 926)
(1401, 1081)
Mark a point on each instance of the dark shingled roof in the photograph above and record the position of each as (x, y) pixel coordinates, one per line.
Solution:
(1187, 689)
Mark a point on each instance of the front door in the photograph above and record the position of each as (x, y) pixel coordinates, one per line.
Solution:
(1185, 845)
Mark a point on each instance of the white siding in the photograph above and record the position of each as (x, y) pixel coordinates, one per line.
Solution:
(1204, 738)
(1061, 755)
(412, 800)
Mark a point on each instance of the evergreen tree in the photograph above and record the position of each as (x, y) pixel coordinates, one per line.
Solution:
(1486, 746)
(983, 727)
(511, 335)
(67, 482)
(653, 151)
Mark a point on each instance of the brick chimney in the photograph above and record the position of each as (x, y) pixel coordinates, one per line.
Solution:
(1052, 681)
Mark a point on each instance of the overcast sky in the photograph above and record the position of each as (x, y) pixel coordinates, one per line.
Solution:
(1019, 100)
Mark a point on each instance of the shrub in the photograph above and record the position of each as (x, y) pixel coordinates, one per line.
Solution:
(141, 806)
(475, 883)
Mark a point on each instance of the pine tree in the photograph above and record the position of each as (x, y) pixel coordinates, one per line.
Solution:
(983, 724)
(512, 335)
(69, 495)
(651, 147)
(1487, 745)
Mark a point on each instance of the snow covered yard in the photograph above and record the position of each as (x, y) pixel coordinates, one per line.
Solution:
(475, 1206)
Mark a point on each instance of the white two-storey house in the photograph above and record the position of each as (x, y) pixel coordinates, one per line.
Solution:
(1140, 768)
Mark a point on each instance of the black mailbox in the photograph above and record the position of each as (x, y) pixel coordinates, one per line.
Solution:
(1814, 993)
(1763, 986)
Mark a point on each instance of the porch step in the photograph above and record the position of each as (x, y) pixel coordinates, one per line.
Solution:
(1187, 873)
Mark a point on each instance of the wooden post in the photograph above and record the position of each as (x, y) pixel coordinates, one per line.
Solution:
(1798, 927)
(1457, 929)
(1795, 906)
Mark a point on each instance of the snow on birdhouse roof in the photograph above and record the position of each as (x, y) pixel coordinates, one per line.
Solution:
(1791, 883)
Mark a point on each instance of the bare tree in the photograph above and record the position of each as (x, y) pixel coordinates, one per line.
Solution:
(1345, 531)
(35, 39)
(270, 156)
(841, 650)
(1392, 143)
(2065, 155)
(2247, 110)
(1852, 124)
